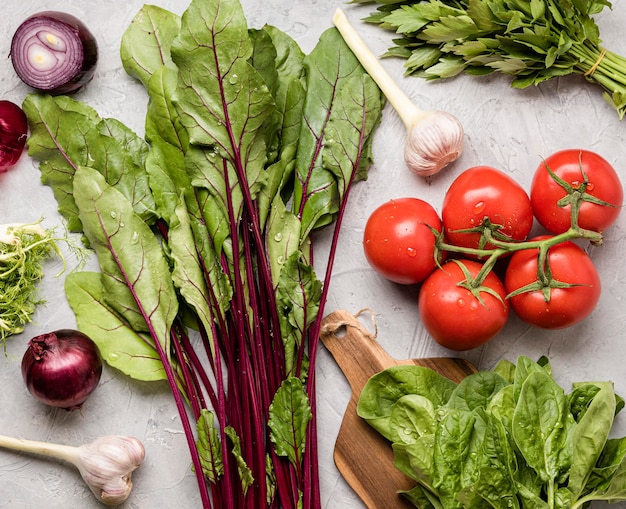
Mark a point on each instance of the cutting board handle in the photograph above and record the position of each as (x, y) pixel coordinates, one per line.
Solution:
(354, 348)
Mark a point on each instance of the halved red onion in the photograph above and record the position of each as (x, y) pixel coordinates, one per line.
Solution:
(13, 134)
(54, 52)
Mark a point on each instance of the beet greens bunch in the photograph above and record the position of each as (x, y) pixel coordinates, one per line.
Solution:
(204, 231)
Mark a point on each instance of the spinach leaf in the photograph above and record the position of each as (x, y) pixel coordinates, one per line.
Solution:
(413, 417)
(476, 391)
(590, 435)
(416, 459)
(507, 438)
(383, 390)
(497, 466)
(453, 442)
(540, 425)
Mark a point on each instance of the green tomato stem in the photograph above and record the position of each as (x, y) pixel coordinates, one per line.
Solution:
(503, 248)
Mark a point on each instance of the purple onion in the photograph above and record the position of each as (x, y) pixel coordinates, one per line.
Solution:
(13, 134)
(54, 52)
(62, 368)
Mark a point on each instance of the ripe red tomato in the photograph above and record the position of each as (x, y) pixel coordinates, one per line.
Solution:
(566, 306)
(481, 192)
(398, 242)
(453, 316)
(603, 183)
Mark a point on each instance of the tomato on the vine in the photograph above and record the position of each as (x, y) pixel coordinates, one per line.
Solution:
(398, 241)
(577, 168)
(453, 315)
(484, 192)
(577, 284)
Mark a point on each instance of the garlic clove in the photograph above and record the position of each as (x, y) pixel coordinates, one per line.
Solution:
(107, 464)
(434, 140)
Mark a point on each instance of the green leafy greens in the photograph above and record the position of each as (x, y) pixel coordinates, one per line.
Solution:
(204, 231)
(23, 250)
(530, 40)
(506, 438)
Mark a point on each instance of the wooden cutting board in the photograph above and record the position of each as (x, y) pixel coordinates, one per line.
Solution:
(362, 456)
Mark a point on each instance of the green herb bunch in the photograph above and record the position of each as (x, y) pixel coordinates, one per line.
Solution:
(23, 250)
(506, 438)
(531, 40)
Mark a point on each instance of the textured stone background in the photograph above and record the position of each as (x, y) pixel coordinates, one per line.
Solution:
(505, 128)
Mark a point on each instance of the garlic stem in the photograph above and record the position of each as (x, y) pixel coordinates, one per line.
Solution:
(63, 452)
(434, 138)
(406, 109)
(106, 464)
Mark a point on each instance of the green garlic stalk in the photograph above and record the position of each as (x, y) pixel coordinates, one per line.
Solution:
(434, 138)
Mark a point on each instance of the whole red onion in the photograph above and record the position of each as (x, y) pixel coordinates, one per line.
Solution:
(13, 133)
(62, 368)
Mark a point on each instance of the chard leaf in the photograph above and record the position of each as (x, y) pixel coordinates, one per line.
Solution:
(67, 134)
(58, 129)
(146, 43)
(298, 296)
(347, 153)
(206, 169)
(120, 346)
(245, 474)
(283, 238)
(289, 414)
(209, 446)
(165, 167)
(188, 272)
(135, 275)
(284, 58)
(223, 103)
(162, 120)
(317, 194)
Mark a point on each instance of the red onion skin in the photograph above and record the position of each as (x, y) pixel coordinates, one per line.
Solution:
(83, 75)
(62, 368)
(13, 134)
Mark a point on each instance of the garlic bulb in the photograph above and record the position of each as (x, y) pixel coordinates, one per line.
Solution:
(434, 138)
(433, 142)
(106, 464)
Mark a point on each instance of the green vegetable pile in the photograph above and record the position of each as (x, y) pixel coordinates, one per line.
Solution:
(23, 250)
(506, 438)
(531, 40)
(204, 231)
